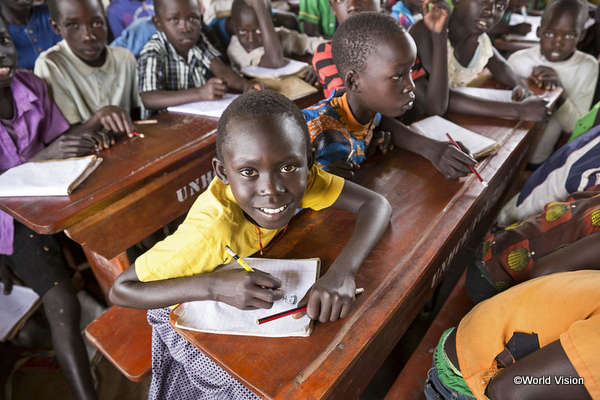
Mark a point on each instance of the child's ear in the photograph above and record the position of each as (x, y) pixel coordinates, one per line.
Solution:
(55, 27)
(156, 23)
(219, 169)
(313, 154)
(351, 81)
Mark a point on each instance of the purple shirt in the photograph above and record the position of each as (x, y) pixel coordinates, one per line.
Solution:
(37, 121)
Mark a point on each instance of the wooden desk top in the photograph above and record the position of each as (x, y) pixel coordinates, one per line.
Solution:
(432, 219)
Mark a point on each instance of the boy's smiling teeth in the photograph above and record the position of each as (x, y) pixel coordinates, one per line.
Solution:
(273, 210)
(4, 70)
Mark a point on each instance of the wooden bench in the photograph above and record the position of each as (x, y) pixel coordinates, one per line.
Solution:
(124, 337)
(411, 381)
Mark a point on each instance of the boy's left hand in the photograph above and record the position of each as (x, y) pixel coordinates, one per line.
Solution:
(520, 92)
(545, 77)
(249, 87)
(436, 18)
(330, 298)
(450, 161)
(382, 141)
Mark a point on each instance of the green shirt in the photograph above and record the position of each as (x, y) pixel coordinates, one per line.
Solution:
(317, 12)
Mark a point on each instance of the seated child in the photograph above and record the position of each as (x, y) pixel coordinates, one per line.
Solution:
(469, 51)
(174, 69)
(258, 42)
(121, 13)
(374, 55)
(93, 85)
(503, 26)
(530, 248)
(537, 340)
(573, 168)
(557, 62)
(316, 18)
(30, 29)
(31, 129)
(264, 172)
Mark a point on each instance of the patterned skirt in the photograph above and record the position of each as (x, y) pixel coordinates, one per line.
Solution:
(181, 371)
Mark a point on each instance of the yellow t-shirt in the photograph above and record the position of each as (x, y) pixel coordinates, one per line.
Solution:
(563, 306)
(215, 220)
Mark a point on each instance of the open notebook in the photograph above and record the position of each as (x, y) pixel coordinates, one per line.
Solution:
(291, 87)
(15, 309)
(293, 67)
(487, 93)
(436, 127)
(534, 21)
(297, 276)
(47, 178)
(212, 108)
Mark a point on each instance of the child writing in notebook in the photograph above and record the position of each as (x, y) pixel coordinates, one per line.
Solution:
(374, 55)
(176, 68)
(557, 62)
(93, 85)
(257, 42)
(33, 129)
(30, 29)
(264, 172)
(469, 51)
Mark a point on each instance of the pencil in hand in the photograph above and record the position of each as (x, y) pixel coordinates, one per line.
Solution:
(238, 259)
(282, 314)
(475, 172)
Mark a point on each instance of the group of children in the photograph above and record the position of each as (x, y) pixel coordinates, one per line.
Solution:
(273, 159)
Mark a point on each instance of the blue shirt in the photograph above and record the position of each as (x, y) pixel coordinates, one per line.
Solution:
(121, 13)
(135, 36)
(35, 37)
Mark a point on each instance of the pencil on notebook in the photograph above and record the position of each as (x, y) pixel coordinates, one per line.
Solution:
(282, 314)
(475, 172)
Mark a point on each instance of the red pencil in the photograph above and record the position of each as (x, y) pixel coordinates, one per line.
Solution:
(282, 314)
(141, 135)
(484, 183)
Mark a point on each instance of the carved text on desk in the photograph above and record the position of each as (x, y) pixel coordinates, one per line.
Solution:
(194, 186)
(498, 191)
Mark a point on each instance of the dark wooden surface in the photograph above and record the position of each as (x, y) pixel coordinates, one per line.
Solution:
(124, 337)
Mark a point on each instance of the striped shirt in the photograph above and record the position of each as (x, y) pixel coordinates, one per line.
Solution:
(327, 72)
(162, 68)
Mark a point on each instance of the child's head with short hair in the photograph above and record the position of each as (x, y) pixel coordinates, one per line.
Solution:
(374, 55)
(8, 63)
(82, 24)
(479, 16)
(181, 22)
(264, 153)
(246, 25)
(561, 28)
(342, 9)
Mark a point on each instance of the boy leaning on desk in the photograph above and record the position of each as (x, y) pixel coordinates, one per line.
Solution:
(264, 172)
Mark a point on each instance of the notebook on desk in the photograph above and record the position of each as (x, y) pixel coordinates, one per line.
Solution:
(436, 127)
(297, 276)
(486, 93)
(211, 108)
(292, 87)
(47, 178)
(293, 67)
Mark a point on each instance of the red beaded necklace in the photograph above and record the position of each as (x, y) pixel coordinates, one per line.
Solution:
(272, 243)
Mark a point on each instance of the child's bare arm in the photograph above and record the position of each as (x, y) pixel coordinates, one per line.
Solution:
(273, 57)
(74, 144)
(233, 80)
(551, 360)
(504, 73)
(214, 88)
(583, 254)
(109, 118)
(519, 29)
(531, 109)
(331, 297)
(450, 161)
(236, 287)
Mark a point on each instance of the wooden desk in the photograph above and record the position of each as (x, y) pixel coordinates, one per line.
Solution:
(512, 45)
(141, 185)
(432, 220)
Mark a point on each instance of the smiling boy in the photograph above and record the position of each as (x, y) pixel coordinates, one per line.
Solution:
(264, 167)
(175, 67)
(557, 62)
(374, 55)
(92, 84)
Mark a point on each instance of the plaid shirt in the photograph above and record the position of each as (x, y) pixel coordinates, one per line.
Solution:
(162, 68)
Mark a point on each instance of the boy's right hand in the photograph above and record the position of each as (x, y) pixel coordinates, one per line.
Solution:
(214, 89)
(246, 290)
(436, 18)
(115, 119)
(345, 169)
(533, 109)
(76, 145)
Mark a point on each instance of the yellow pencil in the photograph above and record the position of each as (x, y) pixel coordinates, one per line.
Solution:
(238, 259)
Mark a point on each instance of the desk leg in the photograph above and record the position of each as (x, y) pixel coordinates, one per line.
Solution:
(105, 270)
